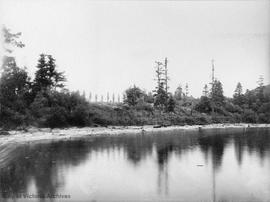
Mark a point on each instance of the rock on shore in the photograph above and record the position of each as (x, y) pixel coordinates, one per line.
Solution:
(40, 134)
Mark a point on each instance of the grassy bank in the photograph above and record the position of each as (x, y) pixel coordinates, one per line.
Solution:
(103, 115)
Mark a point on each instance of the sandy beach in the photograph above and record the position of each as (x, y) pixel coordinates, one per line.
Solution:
(15, 138)
(43, 134)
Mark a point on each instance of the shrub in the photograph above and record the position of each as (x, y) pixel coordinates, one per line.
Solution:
(144, 106)
(249, 116)
(57, 117)
(230, 107)
(204, 105)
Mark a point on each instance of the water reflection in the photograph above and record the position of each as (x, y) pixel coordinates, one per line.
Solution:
(213, 144)
(163, 153)
(40, 163)
(43, 166)
(255, 142)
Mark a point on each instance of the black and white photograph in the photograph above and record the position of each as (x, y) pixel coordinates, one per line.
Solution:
(135, 101)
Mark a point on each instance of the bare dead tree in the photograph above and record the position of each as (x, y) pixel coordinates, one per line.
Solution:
(212, 86)
(159, 72)
(161, 91)
(166, 78)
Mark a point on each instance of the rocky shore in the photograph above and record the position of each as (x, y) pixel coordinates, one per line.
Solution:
(41, 134)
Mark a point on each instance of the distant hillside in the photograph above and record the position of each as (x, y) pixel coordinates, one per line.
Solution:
(266, 90)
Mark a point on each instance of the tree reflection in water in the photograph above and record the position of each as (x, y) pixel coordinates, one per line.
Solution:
(42, 163)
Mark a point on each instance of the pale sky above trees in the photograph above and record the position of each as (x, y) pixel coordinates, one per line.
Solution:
(107, 46)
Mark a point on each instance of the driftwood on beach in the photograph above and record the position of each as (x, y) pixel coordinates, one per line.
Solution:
(36, 134)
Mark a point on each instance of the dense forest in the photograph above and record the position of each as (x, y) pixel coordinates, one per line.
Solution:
(43, 101)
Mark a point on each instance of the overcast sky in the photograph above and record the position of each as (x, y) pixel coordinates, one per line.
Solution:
(107, 46)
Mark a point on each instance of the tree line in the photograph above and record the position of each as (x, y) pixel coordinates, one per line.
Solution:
(253, 106)
(43, 101)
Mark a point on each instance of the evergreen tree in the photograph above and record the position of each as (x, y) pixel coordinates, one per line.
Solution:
(204, 105)
(239, 90)
(217, 96)
(260, 82)
(57, 77)
(205, 91)
(260, 89)
(14, 88)
(171, 104)
(42, 79)
(160, 97)
(238, 97)
(47, 77)
(14, 82)
(178, 93)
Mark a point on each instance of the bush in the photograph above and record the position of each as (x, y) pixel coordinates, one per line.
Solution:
(144, 106)
(264, 113)
(230, 107)
(237, 118)
(203, 120)
(11, 118)
(59, 109)
(249, 116)
(204, 105)
(57, 117)
(80, 116)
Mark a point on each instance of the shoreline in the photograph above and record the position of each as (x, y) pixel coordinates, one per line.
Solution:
(46, 134)
(9, 143)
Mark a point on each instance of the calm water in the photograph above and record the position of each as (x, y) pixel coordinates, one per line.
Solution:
(218, 165)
